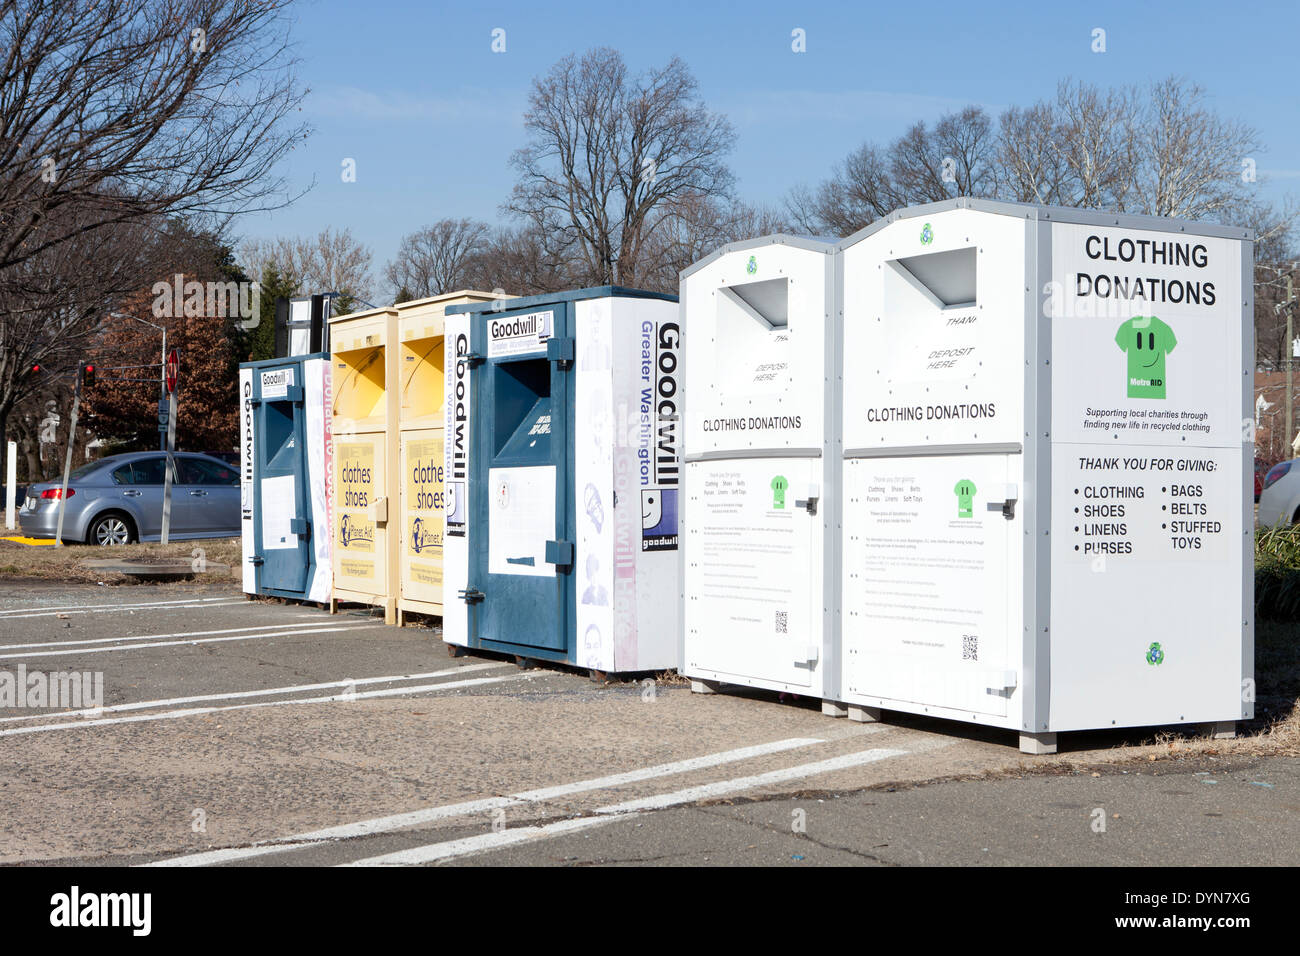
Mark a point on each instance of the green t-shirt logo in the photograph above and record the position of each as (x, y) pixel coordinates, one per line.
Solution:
(1147, 341)
(965, 492)
(779, 485)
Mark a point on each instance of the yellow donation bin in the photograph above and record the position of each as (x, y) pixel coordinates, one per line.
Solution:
(420, 368)
(363, 353)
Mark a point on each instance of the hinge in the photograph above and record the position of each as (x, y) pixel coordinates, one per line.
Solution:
(475, 359)
(471, 596)
(257, 560)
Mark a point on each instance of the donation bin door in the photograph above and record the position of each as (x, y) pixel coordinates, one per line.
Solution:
(522, 560)
(281, 489)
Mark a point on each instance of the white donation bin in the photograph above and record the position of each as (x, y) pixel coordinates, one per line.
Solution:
(1047, 492)
(758, 530)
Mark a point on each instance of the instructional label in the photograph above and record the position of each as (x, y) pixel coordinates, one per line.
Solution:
(1146, 506)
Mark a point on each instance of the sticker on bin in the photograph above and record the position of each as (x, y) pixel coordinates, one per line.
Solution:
(520, 334)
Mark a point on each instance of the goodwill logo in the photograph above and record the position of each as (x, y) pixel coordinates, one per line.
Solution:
(457, 504)
(520, 334)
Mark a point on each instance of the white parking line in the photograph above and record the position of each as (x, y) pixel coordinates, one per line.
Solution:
(402, 821)
(93, 607)
(483, 843)
(332, 699)
(162, 637)
(206, 640)
(265, 692)
(190, 604)
(492, 841)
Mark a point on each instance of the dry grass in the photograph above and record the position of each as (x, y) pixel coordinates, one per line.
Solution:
(20, 562)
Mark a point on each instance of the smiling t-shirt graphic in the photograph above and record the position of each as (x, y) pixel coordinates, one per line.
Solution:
(1147, 341)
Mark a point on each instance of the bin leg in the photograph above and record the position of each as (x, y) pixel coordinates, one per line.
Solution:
(863, 715)
(334, 605)
(401, 618)
(390, 611)
(1038, 743)
(455, 650)
(1222, 730)
(704, 687)
(832, 708)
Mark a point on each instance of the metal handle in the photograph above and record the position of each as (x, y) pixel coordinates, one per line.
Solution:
(809, 505)
(132, 493)
(197, 492)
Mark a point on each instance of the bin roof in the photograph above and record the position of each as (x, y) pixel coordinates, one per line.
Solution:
(814, 243)
(1031, 211)
(547, 298)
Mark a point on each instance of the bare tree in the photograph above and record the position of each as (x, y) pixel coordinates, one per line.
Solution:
(607, 153)
(438, 258)
(330, 261)
(114, 116)
(131, 108)
(958, 157)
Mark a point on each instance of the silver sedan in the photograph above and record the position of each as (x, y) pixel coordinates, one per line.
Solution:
(119, 499)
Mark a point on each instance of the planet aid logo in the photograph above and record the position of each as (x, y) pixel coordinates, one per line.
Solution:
(1147, 341)
(965, 491)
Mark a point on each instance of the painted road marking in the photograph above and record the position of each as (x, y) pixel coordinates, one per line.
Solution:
(109, 608)
(402, 821)
(93, 607)
(200, 711)
(492, 841)
(483, 843)
(160, 637)
(265, 692)
(206, 640)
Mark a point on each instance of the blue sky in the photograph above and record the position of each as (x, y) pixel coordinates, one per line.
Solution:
(414, 94)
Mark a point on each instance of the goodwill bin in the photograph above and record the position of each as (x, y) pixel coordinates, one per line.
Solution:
(563, 475)
(285, 467)
(420, 369)
(1047, 499)
(761, 323)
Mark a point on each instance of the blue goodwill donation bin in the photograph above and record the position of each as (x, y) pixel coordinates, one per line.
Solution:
(285, 463)
(562, 463)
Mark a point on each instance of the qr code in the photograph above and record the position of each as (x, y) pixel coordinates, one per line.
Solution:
(783, 622)
(970, 647)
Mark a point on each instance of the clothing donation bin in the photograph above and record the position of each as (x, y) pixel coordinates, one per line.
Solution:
(760, 323)
(1047, 498)
(563, 473)
(364, 352)
(285, 447)
(420, 367)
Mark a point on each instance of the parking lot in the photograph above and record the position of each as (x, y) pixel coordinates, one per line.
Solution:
(242, 732)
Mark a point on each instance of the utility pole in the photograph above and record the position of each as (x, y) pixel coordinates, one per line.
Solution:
(1290, 360)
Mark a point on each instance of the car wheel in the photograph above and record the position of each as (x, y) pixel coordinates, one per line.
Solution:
(111, 529)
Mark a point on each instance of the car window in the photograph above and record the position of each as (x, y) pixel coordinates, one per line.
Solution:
(84, 470)
(122, 476)
(200, 471)
(148, 471)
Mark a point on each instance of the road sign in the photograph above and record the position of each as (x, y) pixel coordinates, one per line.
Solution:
(173, 369)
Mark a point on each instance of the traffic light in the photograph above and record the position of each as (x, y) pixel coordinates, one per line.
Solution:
(87, 375)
